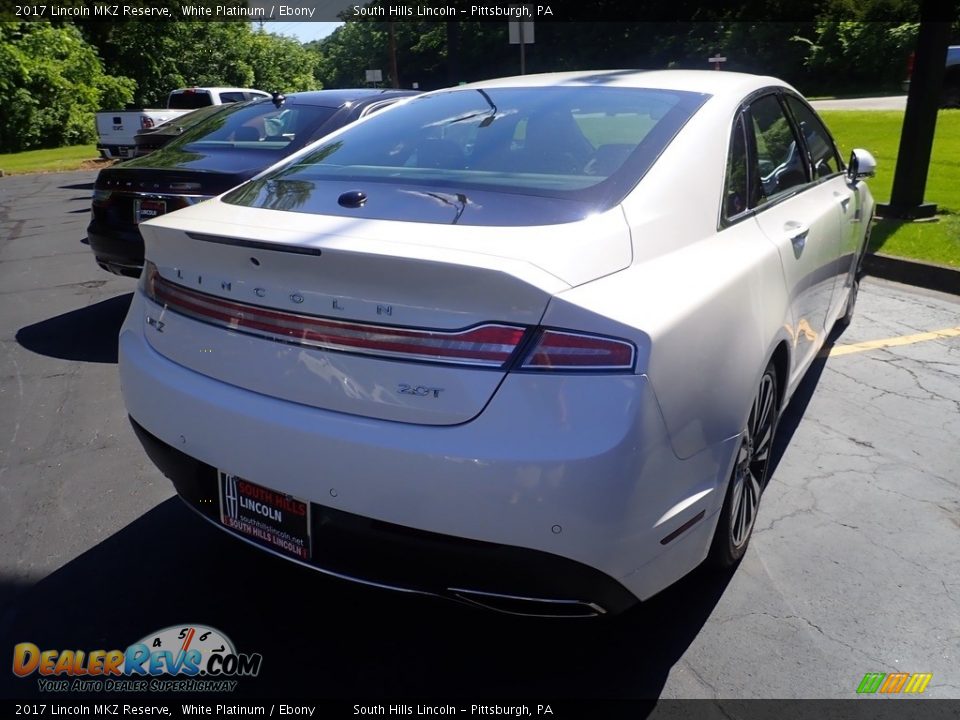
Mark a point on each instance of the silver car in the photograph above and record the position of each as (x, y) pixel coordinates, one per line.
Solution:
(521, 343)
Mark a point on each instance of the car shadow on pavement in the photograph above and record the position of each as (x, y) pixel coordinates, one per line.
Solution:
(325, 638)
(88, 334)
(76, 186)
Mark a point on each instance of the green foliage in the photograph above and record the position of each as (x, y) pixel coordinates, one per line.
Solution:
(858, 53)
(164, 55)
(352, 49)
(51, 83)
(281, 63)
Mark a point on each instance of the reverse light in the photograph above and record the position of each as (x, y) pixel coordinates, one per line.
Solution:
(563, 350)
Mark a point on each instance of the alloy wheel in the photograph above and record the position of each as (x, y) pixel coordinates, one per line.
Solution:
(750, 471)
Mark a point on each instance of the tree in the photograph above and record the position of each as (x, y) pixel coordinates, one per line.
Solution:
(164, 55)
(51, 84)
(281, 63)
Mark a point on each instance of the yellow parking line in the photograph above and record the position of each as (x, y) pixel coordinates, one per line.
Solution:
(892, 342)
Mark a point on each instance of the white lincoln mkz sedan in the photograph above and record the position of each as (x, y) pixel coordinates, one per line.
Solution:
(521, 343)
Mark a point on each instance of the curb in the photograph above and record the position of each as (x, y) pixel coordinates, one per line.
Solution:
(911, 272)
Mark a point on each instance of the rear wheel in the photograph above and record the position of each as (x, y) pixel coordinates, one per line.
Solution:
(749, 476)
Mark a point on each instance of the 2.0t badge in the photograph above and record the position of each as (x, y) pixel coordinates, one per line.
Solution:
(419, 390)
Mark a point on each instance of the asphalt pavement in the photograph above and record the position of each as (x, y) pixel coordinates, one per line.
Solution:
(854, 566)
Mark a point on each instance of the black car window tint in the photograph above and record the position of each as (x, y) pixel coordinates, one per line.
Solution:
(823, 153)
(779, 157)
(735, 185)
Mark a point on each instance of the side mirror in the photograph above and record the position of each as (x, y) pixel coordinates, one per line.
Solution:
(861, 165)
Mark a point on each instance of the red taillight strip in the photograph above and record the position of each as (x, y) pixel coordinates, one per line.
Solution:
(490, 345)
(563, 350)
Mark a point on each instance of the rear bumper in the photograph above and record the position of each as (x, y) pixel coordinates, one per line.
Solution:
(116, 152)
(359, 549)
(560, 489)
(117, 250)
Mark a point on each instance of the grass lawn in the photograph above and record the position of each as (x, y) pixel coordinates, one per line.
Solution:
(58, 159)
(936, 241)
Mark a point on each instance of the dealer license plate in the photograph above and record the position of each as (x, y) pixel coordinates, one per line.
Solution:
(281, 522)
(147, 209)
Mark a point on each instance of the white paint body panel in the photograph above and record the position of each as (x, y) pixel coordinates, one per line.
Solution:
(617, 461)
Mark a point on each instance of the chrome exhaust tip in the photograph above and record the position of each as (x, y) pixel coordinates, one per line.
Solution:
(527, 606)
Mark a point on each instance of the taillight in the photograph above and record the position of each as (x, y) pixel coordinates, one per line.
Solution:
(489, 345)
(563, 350)
(910, 61)
(100, 197)
(148, 280)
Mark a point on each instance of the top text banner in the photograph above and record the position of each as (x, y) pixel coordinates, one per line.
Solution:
(272, 10)
(445, 10)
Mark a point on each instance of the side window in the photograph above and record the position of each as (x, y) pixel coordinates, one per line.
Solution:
(231, 97)
(823, 153)
(779, 159)
(735, 185)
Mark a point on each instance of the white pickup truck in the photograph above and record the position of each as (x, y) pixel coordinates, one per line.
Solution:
(116, 128)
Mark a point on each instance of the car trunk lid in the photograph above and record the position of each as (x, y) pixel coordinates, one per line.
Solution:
(370, 318)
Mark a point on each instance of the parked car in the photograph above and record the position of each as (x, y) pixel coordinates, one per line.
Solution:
(522, 343)
(116, 129)
(146, 141)
(216, 154)
(950, 94)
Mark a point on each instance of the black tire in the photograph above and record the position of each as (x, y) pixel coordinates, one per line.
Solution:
(749, 476)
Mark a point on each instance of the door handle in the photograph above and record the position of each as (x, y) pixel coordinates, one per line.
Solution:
(844, 201)
(797, 234)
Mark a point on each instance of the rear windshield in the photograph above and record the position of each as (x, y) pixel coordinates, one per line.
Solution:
(257, 125)
(583, 143)
(189, 100)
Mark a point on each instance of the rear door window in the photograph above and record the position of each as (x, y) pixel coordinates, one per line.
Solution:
(780, 160)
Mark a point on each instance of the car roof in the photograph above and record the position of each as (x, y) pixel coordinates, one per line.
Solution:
(711, 82)
(336, 98)
(194, 88)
